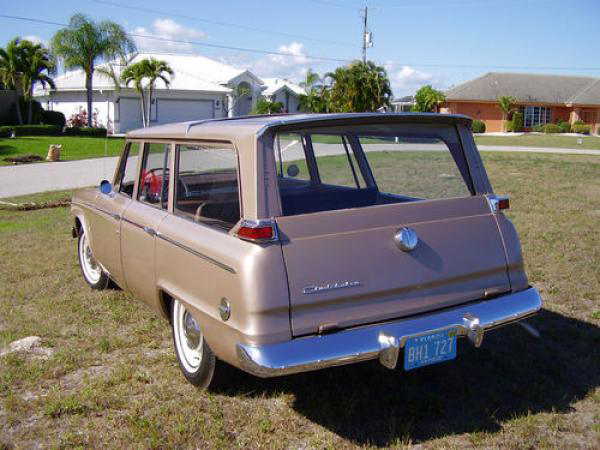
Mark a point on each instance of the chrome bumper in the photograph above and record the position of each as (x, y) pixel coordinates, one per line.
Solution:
(384, 340)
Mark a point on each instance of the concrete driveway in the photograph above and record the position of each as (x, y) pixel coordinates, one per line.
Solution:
(29, 179)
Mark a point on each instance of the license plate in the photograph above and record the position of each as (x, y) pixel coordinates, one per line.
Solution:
(429, 349)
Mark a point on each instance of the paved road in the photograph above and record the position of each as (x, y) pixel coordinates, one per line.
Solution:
(29, 179)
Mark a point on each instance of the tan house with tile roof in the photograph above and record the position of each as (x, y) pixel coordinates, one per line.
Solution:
(542, 98)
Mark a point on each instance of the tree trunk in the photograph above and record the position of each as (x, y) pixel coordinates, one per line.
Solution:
(18, 106)
(88, 89)
(143, 104)
(149, 115)
(30, 112)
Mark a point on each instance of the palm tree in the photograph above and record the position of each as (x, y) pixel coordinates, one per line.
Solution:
(84, 42)
(507, 105)
(135, 73)
(312, 100)
(155, 69)
(151, 69)
(264, 106)
(11, 70)
(36, 61)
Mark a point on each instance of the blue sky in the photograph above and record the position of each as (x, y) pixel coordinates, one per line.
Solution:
(438, 42)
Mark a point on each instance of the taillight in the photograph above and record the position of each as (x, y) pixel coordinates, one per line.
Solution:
(499, 203)
(257, 231)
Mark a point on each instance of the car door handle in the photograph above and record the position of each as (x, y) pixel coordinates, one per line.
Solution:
(150, 231)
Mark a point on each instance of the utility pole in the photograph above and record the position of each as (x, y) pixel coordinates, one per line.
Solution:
(367, 36)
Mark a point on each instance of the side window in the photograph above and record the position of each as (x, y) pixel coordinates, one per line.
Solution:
(154, 177)
(290, 157)
(207, 184)
(125, 179)
(336, 161)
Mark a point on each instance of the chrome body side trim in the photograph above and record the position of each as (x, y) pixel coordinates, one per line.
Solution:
(383, 341)
(95, 208)
(159, 235)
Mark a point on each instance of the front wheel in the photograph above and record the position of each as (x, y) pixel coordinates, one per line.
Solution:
(196, 359)
(91, 270)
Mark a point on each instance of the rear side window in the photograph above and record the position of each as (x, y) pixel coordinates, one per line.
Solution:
(207, 184)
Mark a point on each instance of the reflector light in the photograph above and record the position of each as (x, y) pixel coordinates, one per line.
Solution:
(258, 233)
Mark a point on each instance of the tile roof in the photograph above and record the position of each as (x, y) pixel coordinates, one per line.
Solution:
(530, 88)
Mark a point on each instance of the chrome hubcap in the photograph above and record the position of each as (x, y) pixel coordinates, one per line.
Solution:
(191, 330)
(188, 338)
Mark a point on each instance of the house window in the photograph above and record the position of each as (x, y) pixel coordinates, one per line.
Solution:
(536, 115)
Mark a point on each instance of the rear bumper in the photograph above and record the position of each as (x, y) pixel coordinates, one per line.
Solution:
(384, 341)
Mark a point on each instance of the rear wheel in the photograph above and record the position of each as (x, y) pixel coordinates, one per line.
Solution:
(91, 270)
(196, 359)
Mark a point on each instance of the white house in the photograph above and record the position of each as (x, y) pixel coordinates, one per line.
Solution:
(284, 91)
(201, 88)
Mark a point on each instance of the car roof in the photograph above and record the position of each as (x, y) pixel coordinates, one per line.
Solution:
(253, 126)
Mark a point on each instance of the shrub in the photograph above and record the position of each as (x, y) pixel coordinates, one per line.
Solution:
(508, 126)
(5, 131)
(85, 131)
(478, 126)
(565, 127)
(538, 128)
(579, 122)
(551, 128)
(36, 111)
(582, 128)
(32, 130)
(518, 119)
(8, 119)
(53, 118)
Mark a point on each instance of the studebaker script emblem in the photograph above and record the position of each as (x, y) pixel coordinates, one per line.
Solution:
(330, 287)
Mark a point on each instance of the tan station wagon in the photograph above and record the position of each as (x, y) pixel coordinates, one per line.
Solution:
(287, 243)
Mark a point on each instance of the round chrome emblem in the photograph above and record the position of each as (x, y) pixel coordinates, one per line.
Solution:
(406, 239)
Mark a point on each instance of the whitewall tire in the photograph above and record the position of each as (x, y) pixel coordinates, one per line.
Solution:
(91, 270)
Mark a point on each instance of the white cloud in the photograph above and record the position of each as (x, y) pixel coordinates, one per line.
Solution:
(408, 80)
(292, 67)
(35, 39)
(161, 34)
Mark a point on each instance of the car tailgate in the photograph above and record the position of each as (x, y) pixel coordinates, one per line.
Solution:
(345, 269)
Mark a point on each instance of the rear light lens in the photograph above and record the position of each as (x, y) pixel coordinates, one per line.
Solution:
(261, 231)
(503, 203)
(499, 203)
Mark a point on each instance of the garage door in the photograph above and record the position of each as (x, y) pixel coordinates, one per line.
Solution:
(130, 114)
(169, 111)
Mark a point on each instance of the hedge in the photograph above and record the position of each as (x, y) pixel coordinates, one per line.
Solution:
(538, 128)
(85, 131)
(478, 126)
(31, 130)
(551, 128)
(53, 118)
(565, 127)
(582, 128)
(518, 121)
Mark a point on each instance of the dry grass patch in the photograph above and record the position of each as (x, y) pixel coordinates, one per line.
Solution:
(113, 380)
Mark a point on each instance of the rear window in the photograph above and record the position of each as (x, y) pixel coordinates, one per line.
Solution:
(340, 168)
(414, 167)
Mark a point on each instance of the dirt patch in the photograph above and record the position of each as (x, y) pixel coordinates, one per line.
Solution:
(75, 379)
(26, 159)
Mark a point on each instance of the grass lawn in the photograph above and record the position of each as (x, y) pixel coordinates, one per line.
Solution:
(113, 379)
(540, 140)
(72, 147)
